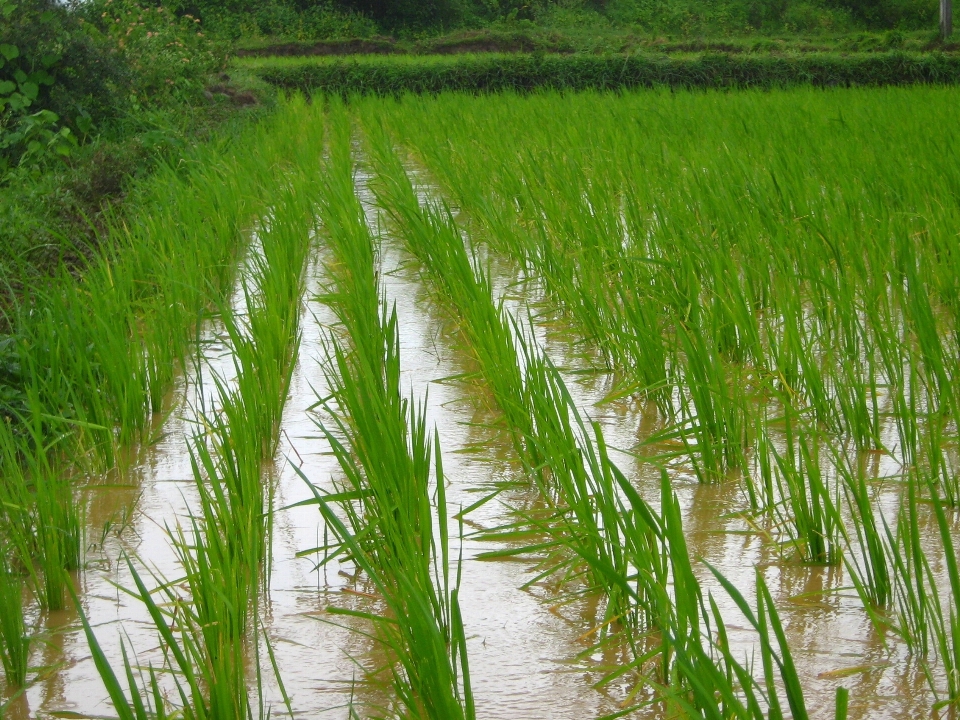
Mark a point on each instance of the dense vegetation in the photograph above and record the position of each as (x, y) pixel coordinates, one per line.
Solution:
(346, 18)
(95, 93)
(767, 282)
(526, 73)
(772, 277)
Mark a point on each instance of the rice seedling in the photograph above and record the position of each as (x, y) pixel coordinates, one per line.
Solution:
(385, 523)
(947, 625)
(869, 566)
(911, 568)
(719, 422)
(207, 686)
(814, 522)
(14, 640)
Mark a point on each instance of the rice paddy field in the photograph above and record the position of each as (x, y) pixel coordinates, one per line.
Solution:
(582, 405)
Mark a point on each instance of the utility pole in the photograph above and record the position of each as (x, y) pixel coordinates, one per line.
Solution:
(946, 18)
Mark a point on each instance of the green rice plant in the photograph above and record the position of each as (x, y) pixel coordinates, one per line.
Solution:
(939, 468)
(814, 522)
(389, 531)
(432, 236)
(354, 294)
(222, 563)
(381, 442)
(204, 689)
(612, 536)
(910, 568)
(718, 423)
(14, 640)
(869, 567)
(42, 519)
(946, 626)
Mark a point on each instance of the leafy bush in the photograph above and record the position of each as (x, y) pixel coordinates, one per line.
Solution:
(728, 16)
(55, 82)
(68, 71)
(166, 54)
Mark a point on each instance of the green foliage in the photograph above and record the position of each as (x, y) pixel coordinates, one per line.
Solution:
(728, 16)
(54, 83)
(491, 73)
(68, 72)
(166, 54)
(906, 14)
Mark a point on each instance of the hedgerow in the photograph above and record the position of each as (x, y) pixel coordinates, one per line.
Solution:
(490, 73)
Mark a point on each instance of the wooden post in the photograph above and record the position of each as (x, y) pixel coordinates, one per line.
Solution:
(946, 18)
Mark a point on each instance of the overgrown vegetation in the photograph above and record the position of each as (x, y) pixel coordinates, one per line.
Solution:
(395, 75)
(575, 19)
(92, 95)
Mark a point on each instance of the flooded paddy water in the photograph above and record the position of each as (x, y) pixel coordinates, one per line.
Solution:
(531, 644)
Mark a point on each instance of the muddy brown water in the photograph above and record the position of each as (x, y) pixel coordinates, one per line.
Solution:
(527, 657)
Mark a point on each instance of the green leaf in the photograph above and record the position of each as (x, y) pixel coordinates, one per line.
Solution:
(30, 90)
(41, 77)
(84, 123)
(46, 16)
(10, 52)
(7, 9)
(20, 76)
(49, 59)
(7, 87)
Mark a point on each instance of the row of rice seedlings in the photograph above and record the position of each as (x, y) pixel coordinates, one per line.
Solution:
(382, 520)
(40, 517)
(264, 334)
(631, 556)
(431, 235)
(223, 552)
(389, 533)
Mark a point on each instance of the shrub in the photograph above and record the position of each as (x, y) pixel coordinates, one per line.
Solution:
(55, 82)
(165, 54)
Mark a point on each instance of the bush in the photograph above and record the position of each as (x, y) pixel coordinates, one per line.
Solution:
(67, 71)
(728, 16)
(904, 14)
(279, 18)
(166, 55)
(55, 82)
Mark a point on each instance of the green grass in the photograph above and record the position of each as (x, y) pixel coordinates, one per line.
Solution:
(383, 517)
